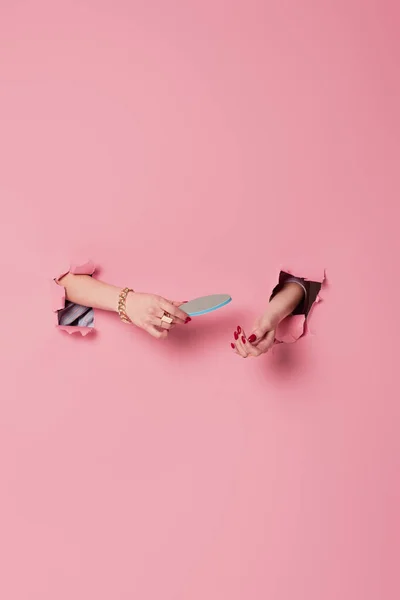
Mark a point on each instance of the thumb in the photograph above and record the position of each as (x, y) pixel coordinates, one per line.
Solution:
(267, 342)
(256, 335)
(260, 329)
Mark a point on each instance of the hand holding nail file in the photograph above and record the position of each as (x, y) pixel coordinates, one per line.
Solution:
(205, 304)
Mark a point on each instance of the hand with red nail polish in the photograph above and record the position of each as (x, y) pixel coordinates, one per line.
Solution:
(281, 305)
(263, 336)
(260, 340)
(147, 311)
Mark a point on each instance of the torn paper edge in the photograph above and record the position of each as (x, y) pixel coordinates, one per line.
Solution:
(295, 327)
(58, 295)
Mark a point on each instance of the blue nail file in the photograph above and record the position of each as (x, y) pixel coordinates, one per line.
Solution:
(205, 304)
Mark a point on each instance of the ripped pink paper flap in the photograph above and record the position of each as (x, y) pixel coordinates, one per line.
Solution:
(58, 294)
(290, 329)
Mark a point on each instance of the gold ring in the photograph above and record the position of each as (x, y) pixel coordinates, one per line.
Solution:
(166, 318)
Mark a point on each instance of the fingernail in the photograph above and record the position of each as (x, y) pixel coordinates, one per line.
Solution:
(188, 320)
(232, 346)
(252, 338)
(236, 335)
(243, 339)
(239, 329)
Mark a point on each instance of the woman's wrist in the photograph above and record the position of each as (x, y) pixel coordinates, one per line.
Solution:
(124, 298)
(272, 316)
(108, 296)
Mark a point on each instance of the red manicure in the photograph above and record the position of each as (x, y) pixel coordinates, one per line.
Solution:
(243, 339)
(252, 338)
(236, 335)
(188, 320)
(232, 346)
(239, 329)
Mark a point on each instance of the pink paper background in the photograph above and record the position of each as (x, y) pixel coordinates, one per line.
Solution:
(189, 148)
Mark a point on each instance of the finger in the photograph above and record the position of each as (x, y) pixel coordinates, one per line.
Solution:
(256, 335)
(177, 303)
(156, 333)
(240, 343)
(267, 342)
(252, 351)
(236, 341)
(240, 350)
(160, 318)
(260, 329)
(161, 324)
(176, 313)
(233, 346)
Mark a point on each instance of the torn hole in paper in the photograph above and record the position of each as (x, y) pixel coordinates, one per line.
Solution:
(72, 317)
(295, 325)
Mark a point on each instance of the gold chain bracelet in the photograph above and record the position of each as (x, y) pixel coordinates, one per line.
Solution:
(122, 305)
